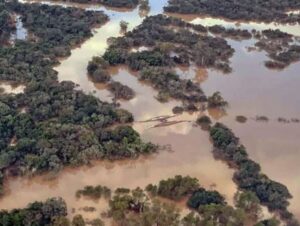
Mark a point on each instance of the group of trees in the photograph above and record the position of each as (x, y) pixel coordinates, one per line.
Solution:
(174, 188)
(170, 85)
(94, 192)
(98, 72)
(144, 6)
(167, 47)
(59, 125)
(135, 207)
(247, 10)
(7, 24)
(37, 213)
(216, 101)
(120, 91)
(280, 47)
(248, 175)
(230, 32)
(170, 46)
(52, 212)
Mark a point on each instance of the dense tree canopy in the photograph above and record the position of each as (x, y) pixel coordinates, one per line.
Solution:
(174, 188)
(37, 213)
(6, 24)
(248, 10)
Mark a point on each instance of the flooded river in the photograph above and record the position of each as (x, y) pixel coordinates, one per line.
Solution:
(251, 90)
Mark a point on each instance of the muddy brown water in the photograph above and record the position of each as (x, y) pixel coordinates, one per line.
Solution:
(251, 90)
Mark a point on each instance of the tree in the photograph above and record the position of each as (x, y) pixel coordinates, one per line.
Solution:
(216, 101)
(201, 197)
(215, 214)
(249, 202)
(78, 221)
(123, 25)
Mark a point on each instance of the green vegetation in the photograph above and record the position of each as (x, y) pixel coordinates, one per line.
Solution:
(37, 213)
(174, 188)
(144, 5)
(169, 84)
(241, 119)
(168, 47)
(230, 32)
(61, 125)
(262, 118)
(204, 120)
(135, 208)
(209, 207)
(121, 91)
(94, 192)
(215, 214)
(216, 101)
(97, 70)
(248, 175)
(6, 24)
(201, 197)
(123, 26)
(280, 47)
(110, 3)
(247, 10)
(268, 222)
(249, 202)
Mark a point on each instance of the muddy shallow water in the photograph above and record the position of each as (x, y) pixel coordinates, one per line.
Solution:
(251, 90)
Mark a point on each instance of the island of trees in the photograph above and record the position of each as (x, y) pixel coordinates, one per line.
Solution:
(264, 11)
(280, 47)
(166, 48)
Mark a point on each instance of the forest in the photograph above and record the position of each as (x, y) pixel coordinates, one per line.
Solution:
(247, 10)
(58, 125)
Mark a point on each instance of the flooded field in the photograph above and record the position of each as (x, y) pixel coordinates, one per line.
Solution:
(251, 90)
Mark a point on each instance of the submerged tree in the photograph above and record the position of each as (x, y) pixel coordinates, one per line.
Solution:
(123, 26)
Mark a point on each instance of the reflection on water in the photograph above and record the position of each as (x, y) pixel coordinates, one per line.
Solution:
(210, 21)
(21, 32)
(251, 89)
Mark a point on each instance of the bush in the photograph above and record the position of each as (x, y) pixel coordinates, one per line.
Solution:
(201, 197)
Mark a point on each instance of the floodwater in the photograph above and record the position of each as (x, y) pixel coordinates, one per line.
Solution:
(21, 32)
(251, 90)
